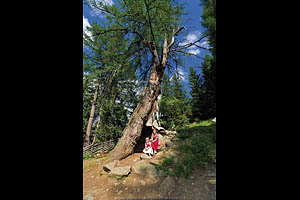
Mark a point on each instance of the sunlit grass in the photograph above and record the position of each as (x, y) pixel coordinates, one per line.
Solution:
(90, 164)
(196, 144)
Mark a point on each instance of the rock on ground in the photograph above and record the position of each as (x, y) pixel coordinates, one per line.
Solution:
(162, 140)
(144, 156)
(120, 171)
(145, 169)
(170, 132)
(155, 162)
(109, 166)
(168, 142)
(159, 154)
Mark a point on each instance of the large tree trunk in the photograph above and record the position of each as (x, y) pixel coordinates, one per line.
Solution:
(139, 117)
(146, 105)
(91, 118)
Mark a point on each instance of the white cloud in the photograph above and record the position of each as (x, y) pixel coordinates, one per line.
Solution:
(205, 43)
(95, 12)
(85, 25)
(194, 51)
(190, 38)
(182, 74)
(109, 2)
(193, 37)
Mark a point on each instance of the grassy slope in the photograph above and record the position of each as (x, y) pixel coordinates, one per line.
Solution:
(196, 147)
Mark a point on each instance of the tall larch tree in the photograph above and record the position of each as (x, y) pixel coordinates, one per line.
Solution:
(151, 27)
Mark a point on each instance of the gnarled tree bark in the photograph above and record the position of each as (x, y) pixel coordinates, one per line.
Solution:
(146, 105)
(139, 117)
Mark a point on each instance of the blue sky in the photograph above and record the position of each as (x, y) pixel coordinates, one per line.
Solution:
(192, 21)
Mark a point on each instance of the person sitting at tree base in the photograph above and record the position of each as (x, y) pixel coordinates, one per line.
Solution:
(148, 148)
(155, 140)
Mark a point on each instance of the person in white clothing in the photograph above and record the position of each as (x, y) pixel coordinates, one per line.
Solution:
(148, 149)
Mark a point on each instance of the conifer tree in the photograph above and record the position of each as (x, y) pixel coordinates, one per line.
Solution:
(150, 27)
(195, 83)
(105, 63)
(209, 97)
(174, 106)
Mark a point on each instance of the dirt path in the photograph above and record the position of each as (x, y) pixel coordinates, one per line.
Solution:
(97, 185)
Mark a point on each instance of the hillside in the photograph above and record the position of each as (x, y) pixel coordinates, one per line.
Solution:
(185, 168)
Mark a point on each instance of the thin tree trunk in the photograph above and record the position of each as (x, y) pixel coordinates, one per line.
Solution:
(91, 118)
(97, 127)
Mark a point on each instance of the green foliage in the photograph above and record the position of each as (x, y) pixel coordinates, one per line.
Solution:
(140, 23)
(206, 128)
(196, 101)
(114, 112)
(197, 147)
(209, 22)
(173, 106)
(121, 45)
(203, 91)
(118, 47)
(173, 113)
(119, 177)
(87, 155)
(209, 95)
(203, 86)
(165, 165)
(106, 60)
(166, 86)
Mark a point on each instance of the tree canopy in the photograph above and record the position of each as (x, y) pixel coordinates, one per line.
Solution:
(134, 46)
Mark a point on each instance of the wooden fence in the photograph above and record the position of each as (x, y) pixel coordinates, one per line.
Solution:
(99, 147)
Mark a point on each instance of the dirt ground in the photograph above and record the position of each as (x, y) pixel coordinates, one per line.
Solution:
(97, 185)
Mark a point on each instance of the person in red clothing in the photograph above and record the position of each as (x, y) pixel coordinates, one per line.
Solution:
(155, 140)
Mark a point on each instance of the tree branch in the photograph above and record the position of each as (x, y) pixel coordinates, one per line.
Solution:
(93, 3)
(110, 30)
(173, 37)
(189, 54)
(150, 23)
(208, 49)
(174, 59)
(173, 69)
(189, 44)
